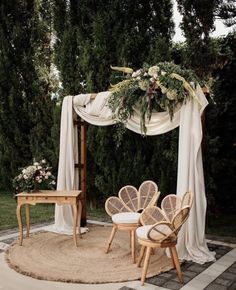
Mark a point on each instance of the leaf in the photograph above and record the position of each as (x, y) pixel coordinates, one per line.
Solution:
(123, 69)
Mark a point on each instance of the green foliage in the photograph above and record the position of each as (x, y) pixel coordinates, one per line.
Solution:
(158, 88)
(92, 36)
(197, 23)
(25, 87)
(135, 160)
(227, 12)
(220, 162)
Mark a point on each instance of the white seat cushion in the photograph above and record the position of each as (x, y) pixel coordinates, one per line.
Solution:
(141, 232)
(126, 218)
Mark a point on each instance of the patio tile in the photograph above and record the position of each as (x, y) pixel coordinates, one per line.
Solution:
(157, 280)
(3, 246)
(191, 270)
(232, 287)
(173, 285)
(223, 282)
(9, 241)
(215, 286)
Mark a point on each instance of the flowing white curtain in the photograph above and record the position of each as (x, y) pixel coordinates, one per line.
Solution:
(191, 244)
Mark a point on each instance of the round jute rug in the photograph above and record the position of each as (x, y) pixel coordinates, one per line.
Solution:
(51, 256)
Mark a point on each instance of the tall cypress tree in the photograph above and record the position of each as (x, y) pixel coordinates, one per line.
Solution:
(220, 141)
(198, 22)
(25, 106)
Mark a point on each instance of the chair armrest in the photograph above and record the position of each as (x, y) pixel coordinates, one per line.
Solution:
(161, 231)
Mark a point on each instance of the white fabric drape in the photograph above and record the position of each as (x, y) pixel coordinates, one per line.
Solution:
(68, 175)
(191, 240)
(191, 245)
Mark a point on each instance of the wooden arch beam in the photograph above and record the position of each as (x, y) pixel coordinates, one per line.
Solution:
(83, 164)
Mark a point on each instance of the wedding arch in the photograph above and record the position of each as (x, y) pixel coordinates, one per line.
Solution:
(94, 109)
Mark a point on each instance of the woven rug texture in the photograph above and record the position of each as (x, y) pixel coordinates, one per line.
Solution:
(54, 257)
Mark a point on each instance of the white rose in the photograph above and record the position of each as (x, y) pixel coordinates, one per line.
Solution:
(44, 161)
(136, 73)
(39, 167)
(36, 164)
(25, 176)
(48, 173)
(153, 70)
(40, 180)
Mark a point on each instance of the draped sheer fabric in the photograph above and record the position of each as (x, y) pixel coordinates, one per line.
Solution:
(191, 243)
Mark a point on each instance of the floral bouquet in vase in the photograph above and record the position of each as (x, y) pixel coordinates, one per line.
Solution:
(35, 177)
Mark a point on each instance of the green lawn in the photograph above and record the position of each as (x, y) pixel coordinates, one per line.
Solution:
(38, 214)
(223, 225)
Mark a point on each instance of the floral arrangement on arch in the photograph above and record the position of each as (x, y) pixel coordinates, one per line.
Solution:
(35, 177)
(157, 88)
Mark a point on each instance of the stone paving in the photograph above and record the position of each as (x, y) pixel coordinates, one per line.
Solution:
(190, 270)
(226, 281)
(168, 280)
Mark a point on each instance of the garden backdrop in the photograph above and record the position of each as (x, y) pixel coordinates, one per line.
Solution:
(53, 48)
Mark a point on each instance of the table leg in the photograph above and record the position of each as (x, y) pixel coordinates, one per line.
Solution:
(75, 214)
(27, 212)
(18, 215)
(79, 213)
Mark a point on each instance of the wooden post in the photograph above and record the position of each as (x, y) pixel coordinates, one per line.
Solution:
(83, 168)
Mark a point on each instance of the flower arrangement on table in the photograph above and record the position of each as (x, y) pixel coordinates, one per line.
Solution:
(35, 177)
(158, 88)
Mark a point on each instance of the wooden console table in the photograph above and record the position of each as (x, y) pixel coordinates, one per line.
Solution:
(70, 197)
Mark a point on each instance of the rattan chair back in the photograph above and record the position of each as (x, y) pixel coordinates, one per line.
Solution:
(114, 205)
(130, 197)
(151, 215)
(180, 218)
(170, 205)
(187, 199)
(148, 194)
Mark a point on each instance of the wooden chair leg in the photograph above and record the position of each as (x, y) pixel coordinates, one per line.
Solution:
(133, 245)
(145, 266)
(172, 258)
(142, 251)
(130, 239)
(113, 232)
(176, 263)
